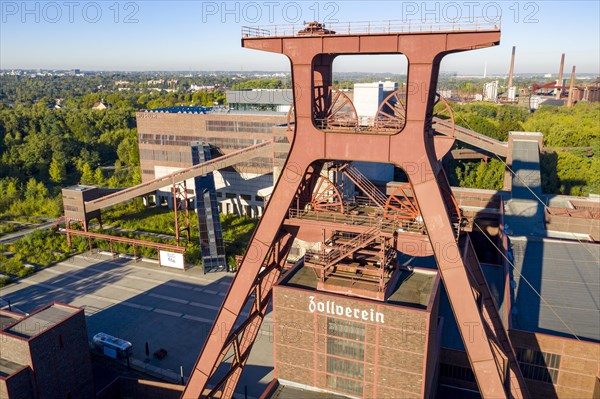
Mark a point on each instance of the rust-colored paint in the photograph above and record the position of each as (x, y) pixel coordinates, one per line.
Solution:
(411, 149)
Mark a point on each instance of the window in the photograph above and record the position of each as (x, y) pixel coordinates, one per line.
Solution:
(344, 385)
(456, 372)
(345, 367)
(239, 126)
(230, 195)
(346, 329)
(60, 341)
(539, 366)
(345, 348)
(345, 356)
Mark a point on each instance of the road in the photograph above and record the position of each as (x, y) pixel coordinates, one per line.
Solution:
(141, 302)
(21, 233)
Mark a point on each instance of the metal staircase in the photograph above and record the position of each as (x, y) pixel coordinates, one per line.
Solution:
(365, 185)
(339, 252)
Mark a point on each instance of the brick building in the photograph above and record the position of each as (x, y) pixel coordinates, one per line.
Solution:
(164, 143)
(358, 347)
(45, 355)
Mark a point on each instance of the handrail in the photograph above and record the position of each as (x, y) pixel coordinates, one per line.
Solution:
(357, 220)
(343, 250)
(375, 27)
(365, 185)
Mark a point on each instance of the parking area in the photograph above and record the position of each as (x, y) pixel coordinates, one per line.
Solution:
(142, 303)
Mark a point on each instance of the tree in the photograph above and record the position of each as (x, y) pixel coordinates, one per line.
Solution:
(35, 190)
(87, 176)
(57, 170)
(98, 177)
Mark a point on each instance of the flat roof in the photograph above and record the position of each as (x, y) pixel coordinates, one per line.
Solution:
(413, 288)
(8, 318)
(38, 322)
(80, 187)
(182, 110)
(260, 96)
(567, 275)
(212, 111)
(8, 368)
(289, 392)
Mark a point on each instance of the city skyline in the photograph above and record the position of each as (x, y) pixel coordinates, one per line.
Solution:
(179, 36)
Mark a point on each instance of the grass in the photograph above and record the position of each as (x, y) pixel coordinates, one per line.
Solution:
(43, 248)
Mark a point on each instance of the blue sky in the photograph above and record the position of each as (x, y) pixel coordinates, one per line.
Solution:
(205, 35)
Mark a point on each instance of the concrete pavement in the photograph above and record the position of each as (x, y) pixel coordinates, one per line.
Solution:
(141, 302)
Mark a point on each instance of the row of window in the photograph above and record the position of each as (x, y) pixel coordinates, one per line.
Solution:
(175, 140)
(456, 372)
(537, 358)
(535, 365)
(246, 197)
(239, 126)
(170, 156)
(540, 366)
(184, 157)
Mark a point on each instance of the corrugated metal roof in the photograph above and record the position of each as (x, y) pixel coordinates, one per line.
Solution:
(567, 274)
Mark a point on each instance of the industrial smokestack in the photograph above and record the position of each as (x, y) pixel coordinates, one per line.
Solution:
(559, 82)
(571, 87)
(512, 68)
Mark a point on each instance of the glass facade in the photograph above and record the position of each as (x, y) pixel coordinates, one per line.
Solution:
(345, 356)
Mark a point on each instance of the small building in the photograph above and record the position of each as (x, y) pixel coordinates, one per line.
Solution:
(45, 355)
(101, 106)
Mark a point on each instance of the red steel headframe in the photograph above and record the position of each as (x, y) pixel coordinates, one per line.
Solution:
(412, 149)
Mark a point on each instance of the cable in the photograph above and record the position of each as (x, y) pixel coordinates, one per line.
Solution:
(534, 194)
(528, 283)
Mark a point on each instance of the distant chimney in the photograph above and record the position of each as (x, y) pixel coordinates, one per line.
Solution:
(571, 88)
(512, 68)
(559, 82)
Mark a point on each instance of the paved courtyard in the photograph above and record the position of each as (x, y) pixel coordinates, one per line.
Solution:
(140, 302)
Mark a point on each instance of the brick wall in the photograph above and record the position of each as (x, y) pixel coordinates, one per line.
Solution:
(171, 124)
(395, 351)
(18, 386)
(63, 369)
(578, 370)
(15, 349)
(579, 364)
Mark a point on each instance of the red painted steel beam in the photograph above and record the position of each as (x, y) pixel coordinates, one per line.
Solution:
(411, 149)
